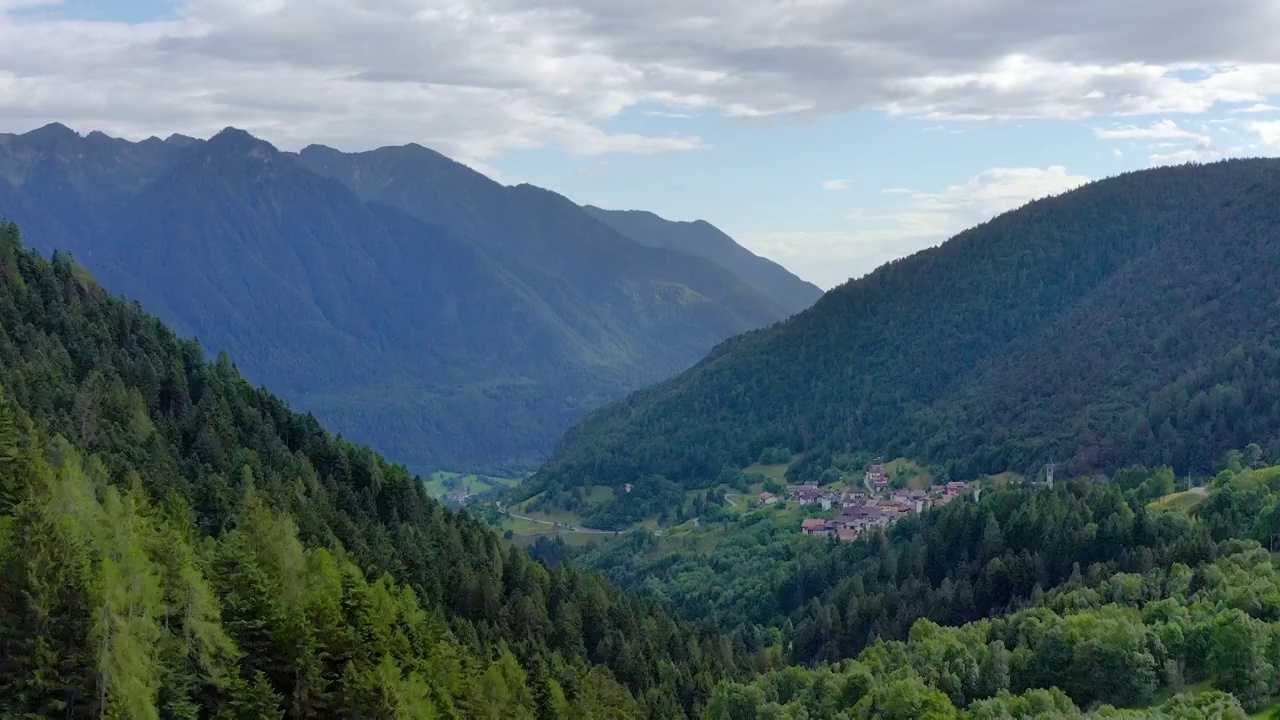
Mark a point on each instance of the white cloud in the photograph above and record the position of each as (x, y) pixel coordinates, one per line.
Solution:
(1179, 144)
(1268, 131)
(1158, 129)
(919, 220)
(477, 78)
(1201, 151)
(1258, 108)
(1117, 152)
(836, 184)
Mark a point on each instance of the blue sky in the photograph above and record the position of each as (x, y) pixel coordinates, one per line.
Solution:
(830, 135)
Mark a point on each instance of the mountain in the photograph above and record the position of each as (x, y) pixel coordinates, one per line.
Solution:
(408, 301)
(176, 543)
(706, 240)
(1136, 319)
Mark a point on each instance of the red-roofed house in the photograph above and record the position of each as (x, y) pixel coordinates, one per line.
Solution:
(815, 526)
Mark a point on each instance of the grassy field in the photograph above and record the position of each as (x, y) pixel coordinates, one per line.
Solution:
(1179, 501)
(441, 482)
(1004, 479)
(572, 539)
(597, 494)
(555, 515)
(920, 478)
(775, 472)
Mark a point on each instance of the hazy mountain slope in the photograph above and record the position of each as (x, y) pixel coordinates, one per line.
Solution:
(1068, 326)
(80, 181)
(536, 226)
(467, 334)
(706, 240)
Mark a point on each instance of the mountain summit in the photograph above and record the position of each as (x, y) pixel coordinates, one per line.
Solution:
(407, 300)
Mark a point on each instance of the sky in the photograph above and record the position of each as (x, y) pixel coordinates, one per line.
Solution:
(829, 135)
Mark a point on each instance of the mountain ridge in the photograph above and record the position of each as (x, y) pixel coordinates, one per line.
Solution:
(920, 357)
(706, 240)
(459, 324)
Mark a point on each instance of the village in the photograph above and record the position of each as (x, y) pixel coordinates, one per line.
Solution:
(862, 509)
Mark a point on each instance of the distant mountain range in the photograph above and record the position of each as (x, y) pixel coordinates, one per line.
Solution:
(1134, 320)
(407, 300)
(706, 240)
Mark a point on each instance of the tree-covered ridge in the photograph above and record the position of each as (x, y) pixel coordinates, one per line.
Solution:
(1131, 320)
(176, 543)
(1017, 560)
(447, 320)
(1117, 643)
(824, 600)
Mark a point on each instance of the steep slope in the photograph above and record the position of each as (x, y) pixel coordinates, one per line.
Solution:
(545, 230)
(458, 324)
(706, 240)
(176, 543)
(1132, 320)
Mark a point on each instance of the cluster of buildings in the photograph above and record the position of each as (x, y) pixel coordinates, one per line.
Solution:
(862, 511)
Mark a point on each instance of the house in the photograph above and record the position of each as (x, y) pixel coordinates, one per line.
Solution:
(955, 488)
(847, 535)
(626, 488)
(768, 498)
(804, 494)
(859, 519)
(816, 527)
(824, 501)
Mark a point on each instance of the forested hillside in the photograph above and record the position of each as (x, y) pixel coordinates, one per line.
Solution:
(175, 543)
(1136, 319)
(704, 239)
(1089, 591)
(448, 320)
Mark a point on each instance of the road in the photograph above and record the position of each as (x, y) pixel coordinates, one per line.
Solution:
(561, 526)
(728, 497)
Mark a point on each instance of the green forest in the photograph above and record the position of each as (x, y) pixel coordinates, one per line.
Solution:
(176, 543)
(1027, 603)
(1134, 320)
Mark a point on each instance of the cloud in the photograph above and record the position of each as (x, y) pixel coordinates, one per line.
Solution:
(1201, 148)
(1268, 131)
(917, 221)
(1158, 129)
(1117, 152)
(478, 78)
(1202, 151)
(1258, 108)
(836, 184)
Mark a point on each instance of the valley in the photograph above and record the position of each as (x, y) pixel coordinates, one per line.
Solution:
(178, 542)
(408, 301)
